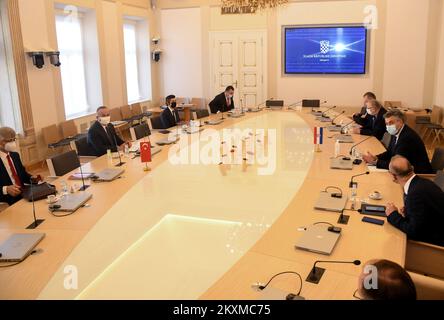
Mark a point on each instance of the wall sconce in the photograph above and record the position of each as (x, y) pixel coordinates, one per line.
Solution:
(54, 58)
(156, 55)
(37, 58)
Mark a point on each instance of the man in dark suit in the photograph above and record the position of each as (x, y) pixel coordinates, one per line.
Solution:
(102, 136)
(360, 116)
(374, 123)
(223, 102)
(405, 142)
(422, 216)
(170, 116)
(13, 175)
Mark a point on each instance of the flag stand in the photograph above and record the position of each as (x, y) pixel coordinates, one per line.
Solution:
(318, 148)
(146, 169)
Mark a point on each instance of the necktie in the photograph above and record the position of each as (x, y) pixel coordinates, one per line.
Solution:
(15, 176)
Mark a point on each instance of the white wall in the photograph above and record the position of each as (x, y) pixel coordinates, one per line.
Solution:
(439, 85)
(337, 89)
(181, 40)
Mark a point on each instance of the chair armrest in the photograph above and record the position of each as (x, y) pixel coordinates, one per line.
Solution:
(424, 258)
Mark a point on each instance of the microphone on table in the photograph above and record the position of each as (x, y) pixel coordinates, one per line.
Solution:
(36, 222)
(326, 111)
(84, 186)
(333, 120)
(347, 125)
(118, 152)
(294, 104)
(316, 273)
(355, 184)
(354, 147)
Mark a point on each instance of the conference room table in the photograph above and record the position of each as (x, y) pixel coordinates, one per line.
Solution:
(193, 230)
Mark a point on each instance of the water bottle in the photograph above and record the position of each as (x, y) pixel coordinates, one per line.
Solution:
(353, 194)
(337, 148)
(64, 186)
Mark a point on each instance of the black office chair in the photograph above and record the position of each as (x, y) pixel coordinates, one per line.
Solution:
(439, 179)
(82, 147)
(156, 123)
(438, 159)
(140, 131)
(61, 164)
(202, 113)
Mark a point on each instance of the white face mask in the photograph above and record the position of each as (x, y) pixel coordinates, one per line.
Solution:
(104, 120)
(11, 146)
(392, 130)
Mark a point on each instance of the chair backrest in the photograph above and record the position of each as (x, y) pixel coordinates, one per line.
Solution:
(199, 103)
(438, 159)
(140, 131)
(435, 117)
(136, 109)
(51, 134)
(439, 179)
(126, 112)
(61, 164)
(427, 288)
(69, 129)
(83, 148)
(115, 114)
(425, 259)
(156, 123)
(202, 113)
(392, 104)
(182, 100)
(386, 140)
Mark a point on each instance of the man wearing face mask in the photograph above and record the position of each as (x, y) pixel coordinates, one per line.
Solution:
(405, 142)
(374, 123)
(170, 116)
(422, 216)
(223, 102)
(102, 136)
(13, 175)
(362, 115)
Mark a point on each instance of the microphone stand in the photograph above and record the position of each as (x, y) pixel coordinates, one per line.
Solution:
(316, 273)
(343, 219)
(36, 222)
(84, 187)
(118, 152)
(333, 120)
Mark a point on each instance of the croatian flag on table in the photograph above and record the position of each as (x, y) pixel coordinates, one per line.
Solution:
(318, 135)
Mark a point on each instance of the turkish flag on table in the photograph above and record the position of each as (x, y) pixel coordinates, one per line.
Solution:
(145, 152)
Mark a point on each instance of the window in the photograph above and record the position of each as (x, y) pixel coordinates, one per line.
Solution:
(132, 72)
(70, 42)
(9, 102)
(137, 59)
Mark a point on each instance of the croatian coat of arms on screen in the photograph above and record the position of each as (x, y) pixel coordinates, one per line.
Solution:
(325, 46)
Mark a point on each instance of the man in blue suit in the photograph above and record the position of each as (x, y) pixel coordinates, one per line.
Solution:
(170, 116)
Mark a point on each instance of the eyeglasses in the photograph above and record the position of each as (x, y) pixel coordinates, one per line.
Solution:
(355, 295)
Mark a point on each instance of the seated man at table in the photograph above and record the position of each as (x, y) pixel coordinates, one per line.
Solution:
(374, 123)
(168, 101)
(102, 136)
(223, 102)
(385, 280)
(13, 175)
(358, 117)
(422, 217)
(405, 142)
(170, 116)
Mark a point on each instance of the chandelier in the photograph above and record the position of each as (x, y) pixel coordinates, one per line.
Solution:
(251, 5)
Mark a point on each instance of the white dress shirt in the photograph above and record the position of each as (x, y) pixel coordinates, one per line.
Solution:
(398, 134)
(407, 184)
(8, 170)
(173, 113)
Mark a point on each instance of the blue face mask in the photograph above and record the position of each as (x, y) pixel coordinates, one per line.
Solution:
(392, 130)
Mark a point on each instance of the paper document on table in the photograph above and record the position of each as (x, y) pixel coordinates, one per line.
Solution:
(374, 169)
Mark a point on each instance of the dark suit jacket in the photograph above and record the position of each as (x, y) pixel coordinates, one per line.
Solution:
(100, 142)
(167, 118)
(424, 212)
(5, 180)
(360, 117)
(410, 146)
(219, 103)
(374, 125)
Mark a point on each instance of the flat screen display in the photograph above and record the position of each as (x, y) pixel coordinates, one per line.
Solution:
(325, 50)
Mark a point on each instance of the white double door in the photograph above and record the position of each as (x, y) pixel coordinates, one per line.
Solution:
(239, 60)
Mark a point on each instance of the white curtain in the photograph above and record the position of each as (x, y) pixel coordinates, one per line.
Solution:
(132, 72)
(70, 43)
